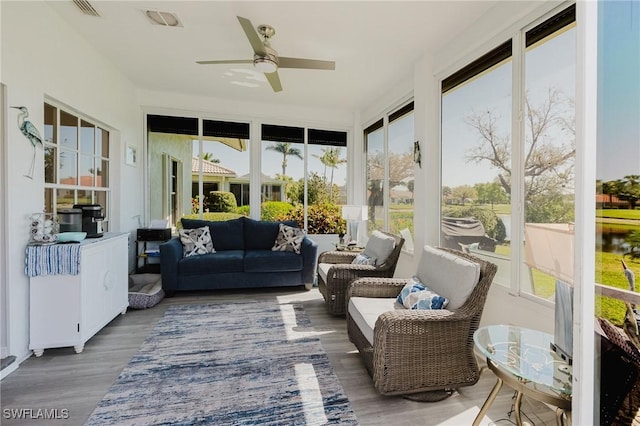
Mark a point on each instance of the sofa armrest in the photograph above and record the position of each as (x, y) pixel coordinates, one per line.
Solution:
(170, 254)
(309, 253)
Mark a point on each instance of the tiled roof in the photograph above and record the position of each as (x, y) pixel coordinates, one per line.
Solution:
(210, 168)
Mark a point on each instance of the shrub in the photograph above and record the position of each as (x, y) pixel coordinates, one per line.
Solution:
(321, 218)
(243, 210)
(213, 217)
(272, 210)
(222, 201)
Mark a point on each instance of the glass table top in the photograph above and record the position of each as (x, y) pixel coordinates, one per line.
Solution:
(526, 354)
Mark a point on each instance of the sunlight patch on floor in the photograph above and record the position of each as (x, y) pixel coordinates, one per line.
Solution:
(291, 327)
(310, 394)
(466, 418)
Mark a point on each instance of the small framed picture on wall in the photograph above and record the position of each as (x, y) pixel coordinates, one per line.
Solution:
(131, 156)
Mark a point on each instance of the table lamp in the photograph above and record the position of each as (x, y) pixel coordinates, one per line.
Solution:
(353, 215)
(549, 248)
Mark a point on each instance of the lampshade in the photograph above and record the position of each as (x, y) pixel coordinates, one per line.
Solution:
(265, 65)
(549, 248)
(352, 212)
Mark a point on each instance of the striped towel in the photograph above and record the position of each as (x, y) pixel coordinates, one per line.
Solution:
(56, 259)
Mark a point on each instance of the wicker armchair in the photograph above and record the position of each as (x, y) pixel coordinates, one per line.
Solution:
(342, 272)
(421, 354)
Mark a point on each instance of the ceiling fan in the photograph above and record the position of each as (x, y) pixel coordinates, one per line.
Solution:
(266, 59)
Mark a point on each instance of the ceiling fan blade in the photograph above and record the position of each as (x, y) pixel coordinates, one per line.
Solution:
(252, 35)
(313, 64)
(274, 81)
(228, 61)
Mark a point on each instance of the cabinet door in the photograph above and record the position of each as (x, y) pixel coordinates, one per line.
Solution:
(117, 280)
(94, 270)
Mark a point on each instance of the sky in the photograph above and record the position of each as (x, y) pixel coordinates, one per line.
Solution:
(548, 65)
(618, 152)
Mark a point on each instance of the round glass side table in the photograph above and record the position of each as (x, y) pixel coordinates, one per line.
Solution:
(523, 359)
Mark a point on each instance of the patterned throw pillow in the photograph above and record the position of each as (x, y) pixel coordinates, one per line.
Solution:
(289, 239)
(415, 295)
(196, 241)
(363, 259)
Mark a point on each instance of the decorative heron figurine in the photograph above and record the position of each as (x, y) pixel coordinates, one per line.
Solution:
(29, 130)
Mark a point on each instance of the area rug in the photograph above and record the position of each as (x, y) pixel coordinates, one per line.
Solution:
(254, 363)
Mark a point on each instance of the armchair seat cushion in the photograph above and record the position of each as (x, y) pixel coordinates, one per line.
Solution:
(270, 261)
(365, 311)
(323, 270)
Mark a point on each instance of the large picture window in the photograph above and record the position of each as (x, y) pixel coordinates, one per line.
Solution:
(76, 161)
(501, 170)
(390, 175)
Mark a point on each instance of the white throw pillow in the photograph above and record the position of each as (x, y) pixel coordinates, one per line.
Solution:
(196, 241)
(379, 247)
(289, 239)
(449, 275)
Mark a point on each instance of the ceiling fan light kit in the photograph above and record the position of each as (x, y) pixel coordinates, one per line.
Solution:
(266, 60)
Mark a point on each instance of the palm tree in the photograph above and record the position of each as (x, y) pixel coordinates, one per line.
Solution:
(286, 150)
(208, 156)
(333, 160)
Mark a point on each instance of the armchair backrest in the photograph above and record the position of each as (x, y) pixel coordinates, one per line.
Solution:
(392, 260)
(474, 305)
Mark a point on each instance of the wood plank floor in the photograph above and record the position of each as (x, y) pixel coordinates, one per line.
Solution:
(61, 379)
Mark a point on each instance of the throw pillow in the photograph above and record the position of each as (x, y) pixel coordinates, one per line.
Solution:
(416, 295)
(196, 241)
(289, 239)
(379, 246)
(363, 259)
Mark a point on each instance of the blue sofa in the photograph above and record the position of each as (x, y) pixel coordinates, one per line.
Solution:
(243, 258)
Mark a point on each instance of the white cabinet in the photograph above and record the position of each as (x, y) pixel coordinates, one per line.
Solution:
(67, 310)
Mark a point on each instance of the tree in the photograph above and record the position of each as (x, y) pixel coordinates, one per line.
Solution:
(330, 158)
(208, 156)
(491, 192)
(464, 193)
(610, 188)
(548, 158)
(286, 150)
(629, 190)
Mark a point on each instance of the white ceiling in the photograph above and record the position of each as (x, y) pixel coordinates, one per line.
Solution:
(374, 45)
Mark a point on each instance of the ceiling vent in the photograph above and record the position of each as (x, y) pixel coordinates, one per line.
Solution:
(86, 8)
(166, 19)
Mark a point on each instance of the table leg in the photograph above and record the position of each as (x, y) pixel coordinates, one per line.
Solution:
(488, 402)
(517, 408)
(560, 417)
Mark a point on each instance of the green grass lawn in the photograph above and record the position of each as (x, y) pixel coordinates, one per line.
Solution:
(618, 213)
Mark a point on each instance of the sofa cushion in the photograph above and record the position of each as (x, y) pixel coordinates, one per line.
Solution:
(448, 275)
(415, 295)
(260, 235)
(289, 239)
(226, 235)
(196, 241)
(366, 310)
(379, 246)
(270, 261)
(213, 263)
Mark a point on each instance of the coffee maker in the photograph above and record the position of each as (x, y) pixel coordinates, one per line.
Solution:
(91, 219)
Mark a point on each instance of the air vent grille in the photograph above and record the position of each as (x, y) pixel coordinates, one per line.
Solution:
(86, 7)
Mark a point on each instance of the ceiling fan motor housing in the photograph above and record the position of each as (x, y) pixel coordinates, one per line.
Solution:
(266, 63)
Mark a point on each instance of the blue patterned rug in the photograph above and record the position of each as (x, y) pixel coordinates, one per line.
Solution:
(228, 364)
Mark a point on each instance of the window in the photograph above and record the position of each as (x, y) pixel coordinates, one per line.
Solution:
(76, 161)
(495, 166)
(309, 177)
(390, 171)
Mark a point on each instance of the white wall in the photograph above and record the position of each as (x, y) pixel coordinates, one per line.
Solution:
(42, 57)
